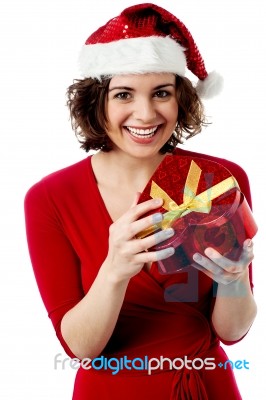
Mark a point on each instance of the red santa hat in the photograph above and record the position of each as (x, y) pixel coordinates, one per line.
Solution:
(146, 38)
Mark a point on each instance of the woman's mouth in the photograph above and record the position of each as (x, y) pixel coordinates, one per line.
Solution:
(143, 133)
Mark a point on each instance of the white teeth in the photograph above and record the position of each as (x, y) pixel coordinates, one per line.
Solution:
(142, 132)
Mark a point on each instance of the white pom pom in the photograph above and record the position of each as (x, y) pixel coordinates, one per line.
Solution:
(211, 86)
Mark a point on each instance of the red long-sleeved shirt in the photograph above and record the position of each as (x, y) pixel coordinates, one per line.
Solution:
(67, 229)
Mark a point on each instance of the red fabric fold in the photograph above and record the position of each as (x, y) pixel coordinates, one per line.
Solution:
(188, 385)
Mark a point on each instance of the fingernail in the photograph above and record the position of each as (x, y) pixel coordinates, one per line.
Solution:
(209, 252)
(248, 243)
(158, 201)
(170, 251)
(168, 232)
(165, 253)
(157, 218)
(197, 257)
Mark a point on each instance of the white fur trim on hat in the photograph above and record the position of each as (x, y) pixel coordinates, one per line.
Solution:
(210, 86)
(132, 56)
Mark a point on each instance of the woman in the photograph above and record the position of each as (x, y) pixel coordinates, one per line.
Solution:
(98, 281)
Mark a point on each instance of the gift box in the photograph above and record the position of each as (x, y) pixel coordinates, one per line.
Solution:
(204, 206)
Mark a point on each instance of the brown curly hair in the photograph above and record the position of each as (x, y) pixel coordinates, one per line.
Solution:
(86, 100)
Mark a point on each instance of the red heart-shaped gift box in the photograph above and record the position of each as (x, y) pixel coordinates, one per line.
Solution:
(205, 207)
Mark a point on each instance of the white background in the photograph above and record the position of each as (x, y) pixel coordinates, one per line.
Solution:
(40, 42)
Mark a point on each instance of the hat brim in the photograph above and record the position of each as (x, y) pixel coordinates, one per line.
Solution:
(132, 56)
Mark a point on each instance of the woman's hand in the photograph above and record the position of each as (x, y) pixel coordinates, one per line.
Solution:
(127, 255)
(234, 308)
(222, 269)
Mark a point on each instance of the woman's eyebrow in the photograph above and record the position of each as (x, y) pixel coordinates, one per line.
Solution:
(131, 89)
(120, 88)
(164, 85)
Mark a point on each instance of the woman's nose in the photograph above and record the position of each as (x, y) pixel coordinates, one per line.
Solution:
(144, 110)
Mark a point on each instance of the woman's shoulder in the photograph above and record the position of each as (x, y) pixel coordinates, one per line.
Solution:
(62, 180)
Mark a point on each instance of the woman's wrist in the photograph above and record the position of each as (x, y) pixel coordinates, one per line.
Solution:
(237, 288)
(110, 275)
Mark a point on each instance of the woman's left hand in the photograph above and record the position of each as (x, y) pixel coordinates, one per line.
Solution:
(222, 269)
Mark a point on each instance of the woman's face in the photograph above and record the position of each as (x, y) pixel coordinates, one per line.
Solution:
(142, 112)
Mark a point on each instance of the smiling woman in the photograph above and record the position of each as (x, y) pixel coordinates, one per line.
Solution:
(134, 105)
(98, 279)
(87, 103)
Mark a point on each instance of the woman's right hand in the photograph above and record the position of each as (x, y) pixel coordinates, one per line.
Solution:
(127, 255)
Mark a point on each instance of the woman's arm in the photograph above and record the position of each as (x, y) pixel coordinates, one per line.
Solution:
(235, 308)
(84, 322)
(87, 327)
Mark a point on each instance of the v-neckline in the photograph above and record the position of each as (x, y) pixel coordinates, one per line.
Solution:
(110, 220)
(98, 193)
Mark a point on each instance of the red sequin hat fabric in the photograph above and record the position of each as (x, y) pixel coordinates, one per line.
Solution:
(145, 38)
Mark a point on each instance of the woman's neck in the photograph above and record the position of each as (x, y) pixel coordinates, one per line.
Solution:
(126, 170)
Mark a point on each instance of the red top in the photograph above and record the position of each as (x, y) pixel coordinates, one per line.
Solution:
(67, 227)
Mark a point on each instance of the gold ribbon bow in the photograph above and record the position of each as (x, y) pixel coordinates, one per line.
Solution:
(191, 201)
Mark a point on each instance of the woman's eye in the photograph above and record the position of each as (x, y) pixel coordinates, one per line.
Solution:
(161, 93)
(122, 96)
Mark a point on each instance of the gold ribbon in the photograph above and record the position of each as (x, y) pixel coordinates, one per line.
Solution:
(191, 201)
